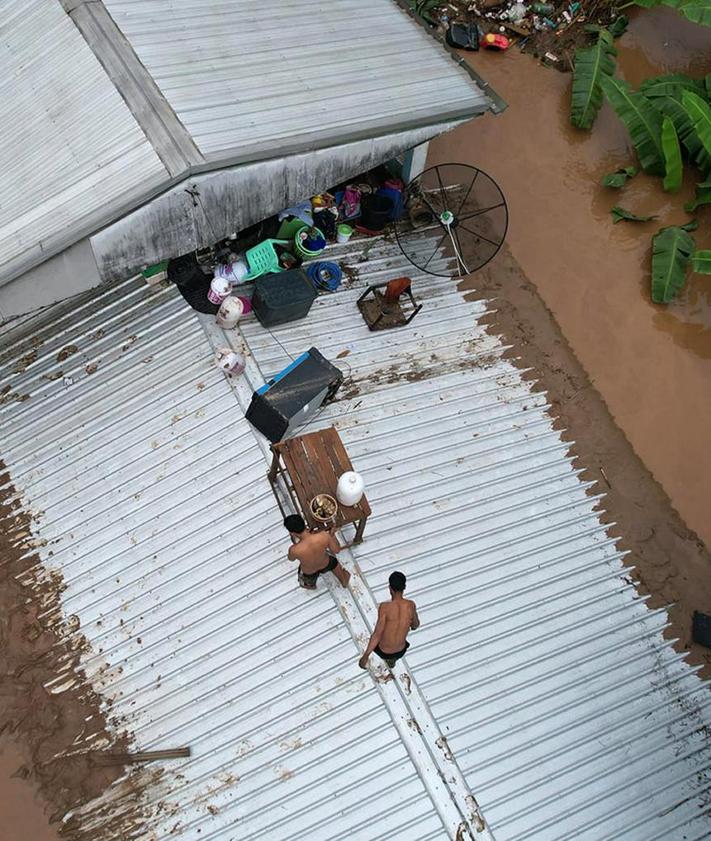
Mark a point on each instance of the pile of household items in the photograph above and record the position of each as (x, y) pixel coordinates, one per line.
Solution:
(277, 267)
(550, 29)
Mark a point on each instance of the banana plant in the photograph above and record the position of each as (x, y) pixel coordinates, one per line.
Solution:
(697, 11)
(685, 129)
(701, 262)
(703, 196)
(673, 167)
(643, 121)
(619, 177)
(620, 213)
(672, 248)
(699, 112)
(671, 84)
(592, 64)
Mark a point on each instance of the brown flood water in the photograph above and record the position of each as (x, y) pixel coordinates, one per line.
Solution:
(651, 363)
(24, 816)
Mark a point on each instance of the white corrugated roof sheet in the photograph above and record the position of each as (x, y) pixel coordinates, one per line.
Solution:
(70, 144)
(567, 713)
(91, 105)
(265, 73)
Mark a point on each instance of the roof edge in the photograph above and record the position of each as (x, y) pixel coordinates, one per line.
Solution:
(498, 103)
(138, 89)
(301, 145)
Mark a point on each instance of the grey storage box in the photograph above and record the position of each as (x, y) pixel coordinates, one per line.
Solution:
(282, 297)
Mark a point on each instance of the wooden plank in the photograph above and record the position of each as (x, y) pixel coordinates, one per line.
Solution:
(322, 479)
(341, 463)
(300, 473)
(314, 462)
(292, 462)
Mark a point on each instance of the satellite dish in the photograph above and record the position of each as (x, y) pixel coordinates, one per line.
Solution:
(462, 203)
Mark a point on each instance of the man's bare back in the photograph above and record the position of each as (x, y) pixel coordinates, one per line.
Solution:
(396, 619)
(316, 553)
(311, 550)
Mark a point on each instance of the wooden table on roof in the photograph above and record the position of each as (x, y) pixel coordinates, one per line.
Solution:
(311, 464)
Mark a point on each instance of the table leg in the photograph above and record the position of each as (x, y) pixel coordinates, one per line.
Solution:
(274, 467)
(359, 531)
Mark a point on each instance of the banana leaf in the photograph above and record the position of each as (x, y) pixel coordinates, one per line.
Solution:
(703, 196)
(619, 26)
(619, 177)
(697, 11)
(643, 122)
(671, 253)
(707, 85)
(686, 132)
(425, 9)
(701, 262)
(592, 64)
(671, 84)
(620, 213)
(700, 113)
(672, 157)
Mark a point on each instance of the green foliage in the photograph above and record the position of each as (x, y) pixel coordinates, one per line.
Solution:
(619, 26)
(685, 130)
(703, 196)
(699, 112)
(643, 121)
(619, 177)
(701, 262)
(671, 253)
(592, 64)
(697, 11)
(672, 157)
(671, 84)
(619, 213)
(425, 9)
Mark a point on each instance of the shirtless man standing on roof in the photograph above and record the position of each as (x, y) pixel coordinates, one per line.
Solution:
(315, 552)
(395, 619)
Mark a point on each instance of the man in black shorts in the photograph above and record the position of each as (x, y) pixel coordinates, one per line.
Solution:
(315, 552)
(396, 619)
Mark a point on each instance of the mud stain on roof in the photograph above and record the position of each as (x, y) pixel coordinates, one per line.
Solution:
(56, 718)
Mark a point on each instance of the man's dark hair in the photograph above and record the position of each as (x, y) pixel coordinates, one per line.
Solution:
(295, 523)
(397, 582)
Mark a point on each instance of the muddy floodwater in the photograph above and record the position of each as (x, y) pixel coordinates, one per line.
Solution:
(651, 363)
(24, 816)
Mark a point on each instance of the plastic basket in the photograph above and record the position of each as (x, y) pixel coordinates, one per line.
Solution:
(263, 259)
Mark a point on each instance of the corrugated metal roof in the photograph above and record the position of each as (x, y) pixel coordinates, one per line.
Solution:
(157, 512)
(71, 145)
(89, 118)
(265, 73)
(568, 713)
